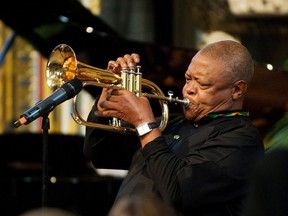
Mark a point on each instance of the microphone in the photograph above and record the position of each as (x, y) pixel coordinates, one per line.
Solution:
(65, 92)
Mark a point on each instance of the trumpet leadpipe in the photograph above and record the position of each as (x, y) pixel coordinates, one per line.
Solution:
(185, 102)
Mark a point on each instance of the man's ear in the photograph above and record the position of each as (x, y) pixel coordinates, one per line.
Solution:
(239, 89)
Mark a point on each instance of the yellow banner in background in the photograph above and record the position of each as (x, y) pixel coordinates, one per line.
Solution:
(23, 84)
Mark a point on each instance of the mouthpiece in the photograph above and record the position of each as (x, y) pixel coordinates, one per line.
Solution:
(185, 102)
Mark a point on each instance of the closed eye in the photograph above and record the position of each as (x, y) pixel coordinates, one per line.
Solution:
(205, 85)
(187, 79)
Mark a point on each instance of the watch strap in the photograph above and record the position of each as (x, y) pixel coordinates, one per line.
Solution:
(153, 125)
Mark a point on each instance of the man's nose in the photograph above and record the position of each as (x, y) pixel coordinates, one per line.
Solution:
(191, 88)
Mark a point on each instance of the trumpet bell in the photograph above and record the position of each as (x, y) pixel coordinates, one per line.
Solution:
(62, 66)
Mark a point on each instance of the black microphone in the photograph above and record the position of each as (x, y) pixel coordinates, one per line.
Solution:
(67, 91)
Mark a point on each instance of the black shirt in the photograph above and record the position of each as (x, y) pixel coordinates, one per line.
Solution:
(201, 169)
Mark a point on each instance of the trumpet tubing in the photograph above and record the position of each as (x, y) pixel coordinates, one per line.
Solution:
(63, 66)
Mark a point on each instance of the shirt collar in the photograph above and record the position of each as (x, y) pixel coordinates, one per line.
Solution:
(220, 114)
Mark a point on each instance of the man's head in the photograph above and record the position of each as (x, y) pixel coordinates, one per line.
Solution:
(217, 79)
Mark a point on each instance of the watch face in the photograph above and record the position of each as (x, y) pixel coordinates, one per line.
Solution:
(143, 129)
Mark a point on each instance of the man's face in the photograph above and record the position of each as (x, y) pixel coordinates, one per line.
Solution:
(207, 87)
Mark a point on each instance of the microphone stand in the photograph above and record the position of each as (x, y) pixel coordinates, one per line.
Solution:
(45, 128)
(44, 107)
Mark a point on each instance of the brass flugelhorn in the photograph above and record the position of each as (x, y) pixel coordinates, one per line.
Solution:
(63, 66)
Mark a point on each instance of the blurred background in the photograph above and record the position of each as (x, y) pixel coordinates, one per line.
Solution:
(166, 34)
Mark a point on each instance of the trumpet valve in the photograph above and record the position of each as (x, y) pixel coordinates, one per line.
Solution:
(170, 94)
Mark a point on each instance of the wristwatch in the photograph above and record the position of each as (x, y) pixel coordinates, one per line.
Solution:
(145, 128)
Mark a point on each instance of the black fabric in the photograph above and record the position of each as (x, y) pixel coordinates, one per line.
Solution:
(201, 169)
(268, 194)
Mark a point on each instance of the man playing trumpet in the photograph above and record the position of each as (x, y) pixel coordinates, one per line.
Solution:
(200, 163)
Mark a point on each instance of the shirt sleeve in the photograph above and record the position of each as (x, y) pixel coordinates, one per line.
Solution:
(211, 174)
(108, 149)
